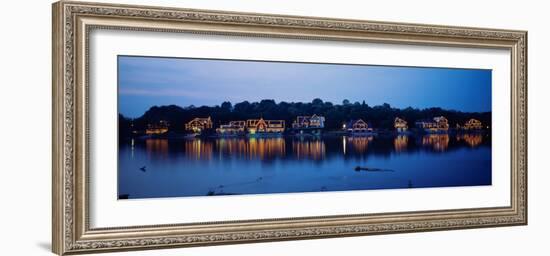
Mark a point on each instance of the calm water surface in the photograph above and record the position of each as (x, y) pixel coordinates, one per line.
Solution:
(150, 168)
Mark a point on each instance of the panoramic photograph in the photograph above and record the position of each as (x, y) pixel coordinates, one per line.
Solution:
(213, 127)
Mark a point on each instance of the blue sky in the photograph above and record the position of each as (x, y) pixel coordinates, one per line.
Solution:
(144, 82)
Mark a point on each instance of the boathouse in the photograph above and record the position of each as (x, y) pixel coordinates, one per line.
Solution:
(309, 122)
(472, 124)
(198, 125)
(234, 127)
(358, 126)
(437, 124)
(265, 126)
(400, 125)
(159, 128)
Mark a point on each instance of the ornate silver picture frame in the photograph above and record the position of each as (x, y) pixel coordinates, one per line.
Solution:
(72, 24)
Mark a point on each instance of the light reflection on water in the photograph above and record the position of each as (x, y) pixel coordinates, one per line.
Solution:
(359, 144)
(157, 148)
(309, 149)
(439, 142)
(198, 149)
(400, 143)
(203, 166)
(253, 148)
(473, 140)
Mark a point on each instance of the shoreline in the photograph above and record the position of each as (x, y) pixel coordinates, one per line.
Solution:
(327, 134)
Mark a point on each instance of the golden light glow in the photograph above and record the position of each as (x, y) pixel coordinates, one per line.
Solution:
(439, 142)
(313, 149)
(472, 124)
(400, 125)
(158, 128)
(198, 149)
(265, 126)
(157, 147)
(252, 148)
(360, 144)
(436, 124)
(400, 143)
(473, 140)
(198, 124)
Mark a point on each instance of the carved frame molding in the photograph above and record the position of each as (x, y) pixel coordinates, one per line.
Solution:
(72, 22)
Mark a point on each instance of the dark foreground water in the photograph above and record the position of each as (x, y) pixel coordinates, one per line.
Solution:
(150, 168)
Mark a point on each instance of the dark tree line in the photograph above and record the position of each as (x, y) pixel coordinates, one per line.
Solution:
(381, 116)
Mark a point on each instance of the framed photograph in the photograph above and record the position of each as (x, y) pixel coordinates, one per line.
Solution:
(179, 127)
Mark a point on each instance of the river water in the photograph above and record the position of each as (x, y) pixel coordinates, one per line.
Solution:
(155, 168)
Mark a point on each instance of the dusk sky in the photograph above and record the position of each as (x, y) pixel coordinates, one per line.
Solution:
(144, 82)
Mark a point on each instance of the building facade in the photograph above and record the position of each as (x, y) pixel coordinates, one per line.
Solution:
(309, 122)
(198, 125)
(400, 125)
(265, 126)
(437, 124)
(159, 128)
(472, 124)
(358, 126)
(234, 127)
